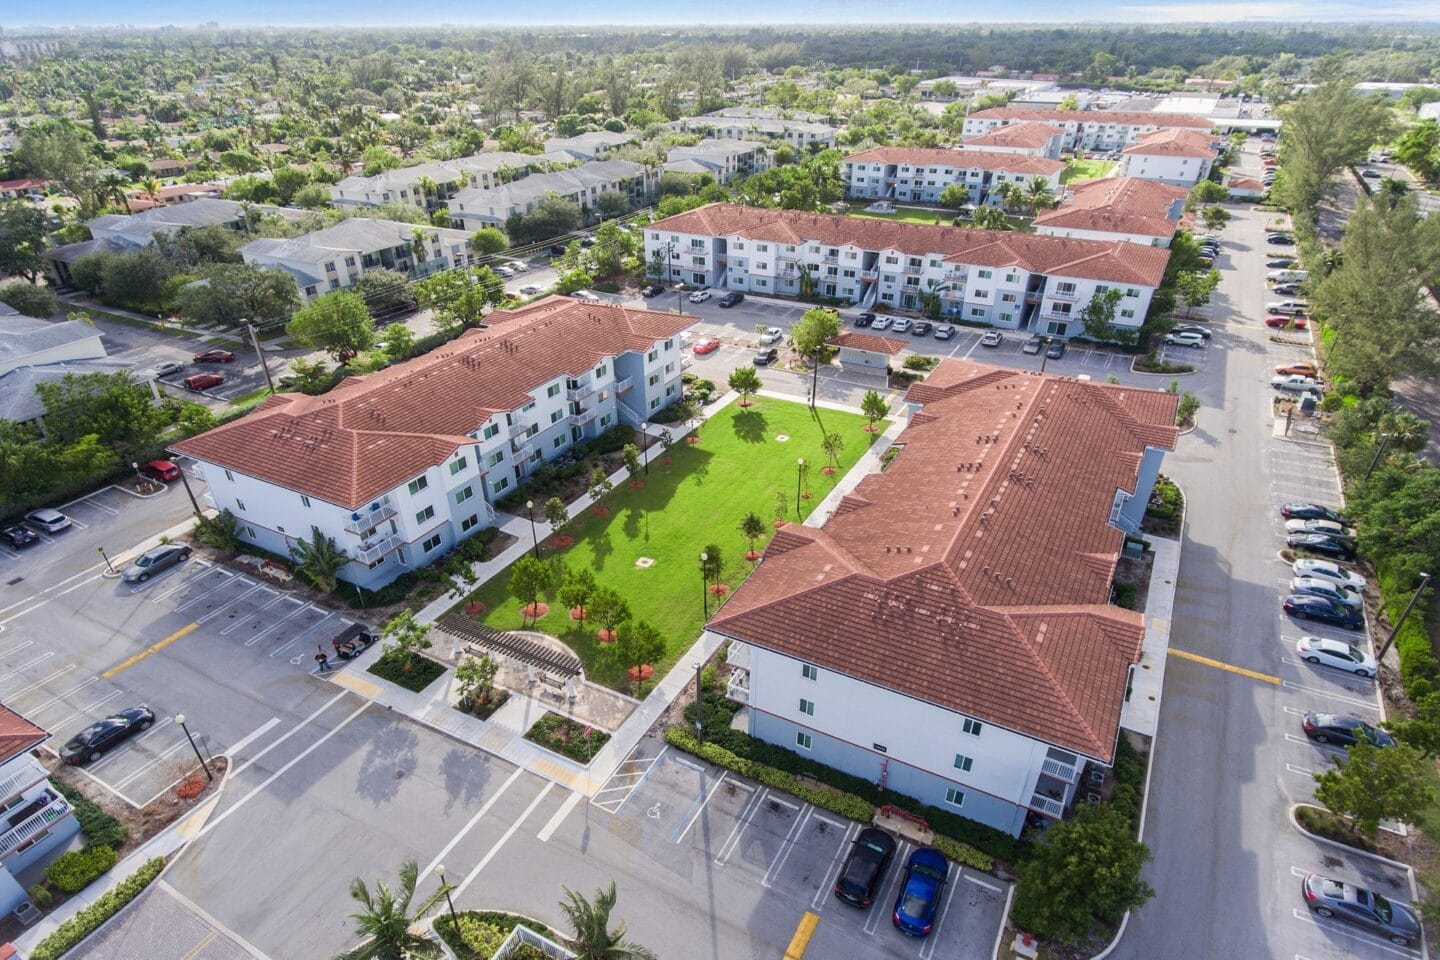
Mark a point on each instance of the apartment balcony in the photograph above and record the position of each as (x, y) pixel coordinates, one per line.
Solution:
(738, 689)
(871, 275)
(518, 428)
(28, 772)
(914, 269)
(1059, 770)
(951, 293)
(581, 418)
(956, 276)
(368, 519)
(375, 549)
(583, 392)
(1069, 296)
(738, 655)
(788, 257)
(34, 824)
(1034, 296)
(1059, 315)
(623, 384)
(521, 447)
(832, 260)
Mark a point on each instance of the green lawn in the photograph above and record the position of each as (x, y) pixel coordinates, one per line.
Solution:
(697, 500)
(910, 215)
(1080, 170)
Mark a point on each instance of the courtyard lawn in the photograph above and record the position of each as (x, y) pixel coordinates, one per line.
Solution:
(699, 498)
(911, 215)
(1077, 171)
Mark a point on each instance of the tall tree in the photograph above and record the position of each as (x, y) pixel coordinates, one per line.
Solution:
(1097, 317)
(1195, 287)
(637, 645)
(591, 936)
(459, 298)
(338, 323)
(233, 292)
(811, 336)
(1370, 784)
(744, 381)
(387, 920)
(319, 560)
(22, 240)
(112, 407)
(529, 578)
(1326, 129)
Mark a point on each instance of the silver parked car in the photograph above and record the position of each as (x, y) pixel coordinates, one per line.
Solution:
(47, 520)
(154, 561)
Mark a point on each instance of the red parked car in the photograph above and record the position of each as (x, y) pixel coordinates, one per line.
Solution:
(708, 345)
(1276, 320)
(203, 381)
(215, 356)
(162, 470)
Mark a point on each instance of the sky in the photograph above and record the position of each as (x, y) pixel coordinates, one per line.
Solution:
(188, 13)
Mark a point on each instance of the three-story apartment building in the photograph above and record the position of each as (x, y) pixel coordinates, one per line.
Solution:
(1085, 129)
(921, 174)
(1179, 157)
(430, 186)
(36, 822)
(1117, 208)
(947, 633)
(723, 159)
(582, 186)
(1015, 281)
(399, 465)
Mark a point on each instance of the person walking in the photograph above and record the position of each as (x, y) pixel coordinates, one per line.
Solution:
(322, 659)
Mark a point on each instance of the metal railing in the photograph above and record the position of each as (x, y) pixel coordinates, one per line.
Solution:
(581, 418)
(1068, 295)
(33, 825)
(1047, 805)
(375, 549)
(363, 520)
(27, 773)
(624, 383)
(582, 392)
(738, 689)
(738, 655)
(1058, 770)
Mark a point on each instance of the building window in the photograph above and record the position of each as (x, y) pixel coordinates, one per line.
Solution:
(229, 476)
(558, 441)
(241, 505)
(651, 356)
(654, 379)
(986, 274)
(470, 522)
(669, 344)
(430, 543)
(1127, 314)
(422, 515)
(501, 484)
(956, 798)
(555, 415)
(600, 371)
(418, 484)
(809, 671)
(803, 741)
(457, 466)
(807, 707)
(1132, 292)
(973, 727)
(963, 762)
(304, 500)
(495, 458)
(462, 495)
(491, 429)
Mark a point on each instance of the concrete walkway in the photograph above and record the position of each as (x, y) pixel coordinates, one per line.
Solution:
(1141, 712)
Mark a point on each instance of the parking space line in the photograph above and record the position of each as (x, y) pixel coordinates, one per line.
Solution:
(306, 632)
(232, 602)
(153, 648)
(196, 599)
(1303, 771)
(251, 737)
(61, 696)
(927, 950)
(240, 621)
(41, 682)
(290, 733)
(166, 754)
(300, 606)
(705, 800)
(29, 663)
(1333, 928)
(204, 570)
(17, 648)
(636, 785)
(836, 863)
(690, 763)
(787, 847)
(981, 883)
(553, 824)
(490, 854)
(742, 822)
(1323, 693)
(155, 728)
(470, 824)
(872, 918)
(89, 708)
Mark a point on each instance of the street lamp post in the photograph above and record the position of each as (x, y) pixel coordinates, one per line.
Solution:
(699, 702)
(194, 504)
(108, 565)
(1424, 582)
(530, 512)
(180, 719)
(799, 479)
(1379, 452)
(645, 450)
(440, 872)
(705, 583)
(1044, 352)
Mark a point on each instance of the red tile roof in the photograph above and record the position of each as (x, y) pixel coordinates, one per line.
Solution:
(868, 341)
(17, 734)
(1161, 120)
(959, 159)
(1116, 261)
(975, 572)
(28, 183)
(1023, 134)
(1120, 205)
(1175, 143)
(372, 433)
(1245, 183)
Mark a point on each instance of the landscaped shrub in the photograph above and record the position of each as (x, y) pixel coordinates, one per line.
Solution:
(99, 827)
(80, 926)
(423, 671)
(1419, 669)
(479, 933)
(40, 895)
(74, 871)
(567, 737)
(396, 591)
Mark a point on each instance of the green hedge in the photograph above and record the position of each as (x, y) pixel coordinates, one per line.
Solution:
(99, 827)
(845, 804)
(423, 671)
(479, 932)
(74, 871)
(1419, 669)
(80, 926)
(567, 737)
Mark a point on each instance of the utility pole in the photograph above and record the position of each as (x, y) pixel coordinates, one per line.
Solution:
(186, 480)
(699, 702)
(255, 341)
(1424, 582)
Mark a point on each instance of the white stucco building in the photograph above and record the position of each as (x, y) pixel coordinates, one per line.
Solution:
(399, 465)
(1031, 139)
(771, 126)
(947, 633)
(1015, 281)
(595, 145)
(722, 159)
(1181, 157)
(582, 186)
(1117, 208)
(1086, 129)
(38, 822)
(408, 185)
(921, 174)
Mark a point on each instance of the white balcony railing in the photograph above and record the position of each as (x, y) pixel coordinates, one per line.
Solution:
(1047, 805)
(374, 549)
(738, 689)
(738, 655)
(371, 517)
(26, 774)
(33, 825)
(623, 384)
(582, 392)
(1058, 770)
(1070, 296)
(582, 418)
(518, 427)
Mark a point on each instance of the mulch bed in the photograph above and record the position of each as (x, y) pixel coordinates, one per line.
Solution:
(534, 611)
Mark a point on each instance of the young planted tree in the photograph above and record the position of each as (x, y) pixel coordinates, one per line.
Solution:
(752, 528)
(990, 218)
(475, 679)
(631, 457)
(811, 336)
(462, 576)
(600, 485)
(713, 565)
(576, 590)
(744, 381)
(609, 610)
(1215, 218)
(407, 637)
(782, 507)
(388, 922)
(529, 578)
(833, 444)
(637, 646)
(1195, 287)
(1370, 784)
(874, 409)
(397, 341)
(591, 937)
(338, 323)
(319, 560)
(556, 513)
(955, 196)
(1097, 317)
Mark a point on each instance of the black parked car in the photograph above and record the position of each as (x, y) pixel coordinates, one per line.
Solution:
(1192, 328)
(1337, 728)
(864, 870)
(654, 290)
(90, 744)
(731, 298)
(1056, 351)
(764, 358)
(864, 319)
(921, 328)
(1321, 544)
(1305, 607)
(18, 536)
(558, 250)
(1311, 511)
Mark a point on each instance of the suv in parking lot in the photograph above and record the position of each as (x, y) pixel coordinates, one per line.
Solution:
(731, 298)
(1033, 346)
(864, 870)
(992, 338)
(945, 331)
(203, 381)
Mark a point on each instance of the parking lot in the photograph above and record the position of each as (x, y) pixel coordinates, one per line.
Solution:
(780, 857)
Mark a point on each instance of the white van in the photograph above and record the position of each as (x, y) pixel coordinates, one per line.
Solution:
(1288, 276)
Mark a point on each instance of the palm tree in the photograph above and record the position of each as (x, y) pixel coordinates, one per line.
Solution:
(1038, 195)
(417, 243)
(111, 189)
(319, 560)
(151, 186)
(427, 187)
(1011, 196)
(385, 919)
(991, 218)
(592, 938)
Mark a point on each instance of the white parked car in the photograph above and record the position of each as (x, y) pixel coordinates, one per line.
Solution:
(1326, 570)
(1295, 383)
(700, 296)
(50, 521)
(1185, 340)
(1324, 588)
(517, 266)
(166, 367)
(771, 335)
(881, 322)
(901, 325)
(1288, 276)
(530, 291)
(587, 295)
(1337, 654)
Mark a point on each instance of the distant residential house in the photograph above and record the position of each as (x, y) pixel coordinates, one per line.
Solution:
(595, 145)
(722, 159)
(474, 208)
(18, 189)
(1086, 129)
(948, 631)
(1245, 188)
(921, 174)
(483, 171)
(336, 257)
(1031, 139)
(139, 201)
(760, 125)
(1181, 157)
(166, 167)
(1117, 208)
(42, 351)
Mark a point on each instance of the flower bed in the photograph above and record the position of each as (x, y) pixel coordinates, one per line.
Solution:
(423, 671)
(477, 934)
(567, 737)
(87, 921)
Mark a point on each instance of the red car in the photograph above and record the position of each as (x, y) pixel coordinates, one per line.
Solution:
(162, 470)
(215, 356)
(1276, 320)
(1301, 369)
(203, 381)
(708, 345)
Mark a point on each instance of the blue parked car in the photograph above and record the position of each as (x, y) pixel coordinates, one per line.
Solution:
(1305, 607)
(920, 891)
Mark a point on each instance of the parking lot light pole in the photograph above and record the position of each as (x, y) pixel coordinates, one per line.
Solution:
(645, 450)
(440, 872)
(1044, 352)
(799, 478)
(705, 584)
(530, 512)
(180, 719)
(194, 504)
(108, 565)
(1424, 582)
(1379, 452)
(699, 702)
